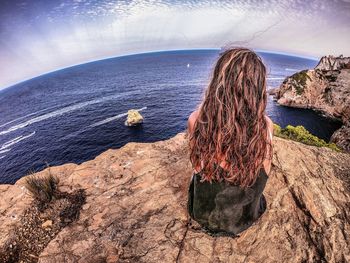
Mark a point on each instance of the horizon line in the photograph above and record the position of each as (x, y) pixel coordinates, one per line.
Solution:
(150, 52)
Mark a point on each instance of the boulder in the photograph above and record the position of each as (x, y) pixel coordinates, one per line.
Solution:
(134, 118)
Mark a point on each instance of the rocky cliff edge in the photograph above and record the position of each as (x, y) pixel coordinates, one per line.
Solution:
(135, 209)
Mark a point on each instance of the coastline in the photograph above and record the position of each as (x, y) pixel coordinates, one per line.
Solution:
(324, 89)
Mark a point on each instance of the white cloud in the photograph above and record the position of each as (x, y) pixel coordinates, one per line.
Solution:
(116, 28)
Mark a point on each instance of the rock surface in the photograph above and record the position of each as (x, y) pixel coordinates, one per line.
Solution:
(342, 136)
(134, 118)
(135, 209)
(333, 63)
(325, 88)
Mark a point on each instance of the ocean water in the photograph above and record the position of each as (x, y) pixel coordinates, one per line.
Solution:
(74, 114)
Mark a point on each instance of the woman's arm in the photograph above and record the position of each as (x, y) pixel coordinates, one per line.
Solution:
(270, 125)
(268, 161)
(190, 126)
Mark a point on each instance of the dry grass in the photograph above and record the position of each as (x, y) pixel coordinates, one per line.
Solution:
(43, 188)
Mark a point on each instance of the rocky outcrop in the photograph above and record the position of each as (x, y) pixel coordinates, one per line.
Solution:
(327, 63)
(135, 209)
(342, 136)
(325, 88)
(134, 118)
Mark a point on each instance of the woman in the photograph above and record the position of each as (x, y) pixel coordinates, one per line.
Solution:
(230, 140)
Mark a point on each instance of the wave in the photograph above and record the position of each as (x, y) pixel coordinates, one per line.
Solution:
(113, 118)
(4, 151)
(292, 69)
(62, 111)
(275, 78)
(6, 145)
(2, 157)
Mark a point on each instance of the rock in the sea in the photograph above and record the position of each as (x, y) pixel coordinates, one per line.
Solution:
(325, 88)
(134, 118)
(135, 209)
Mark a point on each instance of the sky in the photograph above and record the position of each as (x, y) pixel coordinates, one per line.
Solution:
(40, 36)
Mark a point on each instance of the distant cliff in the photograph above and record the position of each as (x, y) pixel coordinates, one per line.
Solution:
(327, 63)
(135, 211)
(325, 88)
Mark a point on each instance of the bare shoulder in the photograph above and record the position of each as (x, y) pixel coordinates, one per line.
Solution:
(192, 119)
(194, 115)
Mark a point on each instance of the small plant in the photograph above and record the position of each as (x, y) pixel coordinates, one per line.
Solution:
(31, 234)
(300, 134)
(276, 129)
(42, 188)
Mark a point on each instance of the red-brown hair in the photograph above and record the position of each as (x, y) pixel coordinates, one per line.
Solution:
(231, 120)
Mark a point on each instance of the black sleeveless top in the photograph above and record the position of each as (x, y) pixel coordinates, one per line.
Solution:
(221, 207)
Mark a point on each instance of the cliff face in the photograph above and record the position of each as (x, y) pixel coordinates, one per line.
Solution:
(135, 209)
(333, 63)
(325, 88)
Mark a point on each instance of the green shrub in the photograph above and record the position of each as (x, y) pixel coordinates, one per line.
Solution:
(300, 134)
(276, 129)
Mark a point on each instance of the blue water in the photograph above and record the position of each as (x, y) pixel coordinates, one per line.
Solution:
(74, 114)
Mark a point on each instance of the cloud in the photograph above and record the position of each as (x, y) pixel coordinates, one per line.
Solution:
(46, 35)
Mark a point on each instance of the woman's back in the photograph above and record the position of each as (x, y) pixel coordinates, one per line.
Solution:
(231, 145)
(223, 207)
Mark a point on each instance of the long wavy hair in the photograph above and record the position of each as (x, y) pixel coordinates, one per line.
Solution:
(231, 122)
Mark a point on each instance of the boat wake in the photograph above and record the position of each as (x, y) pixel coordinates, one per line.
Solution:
(5, 151)
(62, 111)
(107, 120)
(113, 118)
(25, 116)
(6, 146)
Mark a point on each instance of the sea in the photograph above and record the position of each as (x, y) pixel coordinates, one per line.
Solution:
(74, 114)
